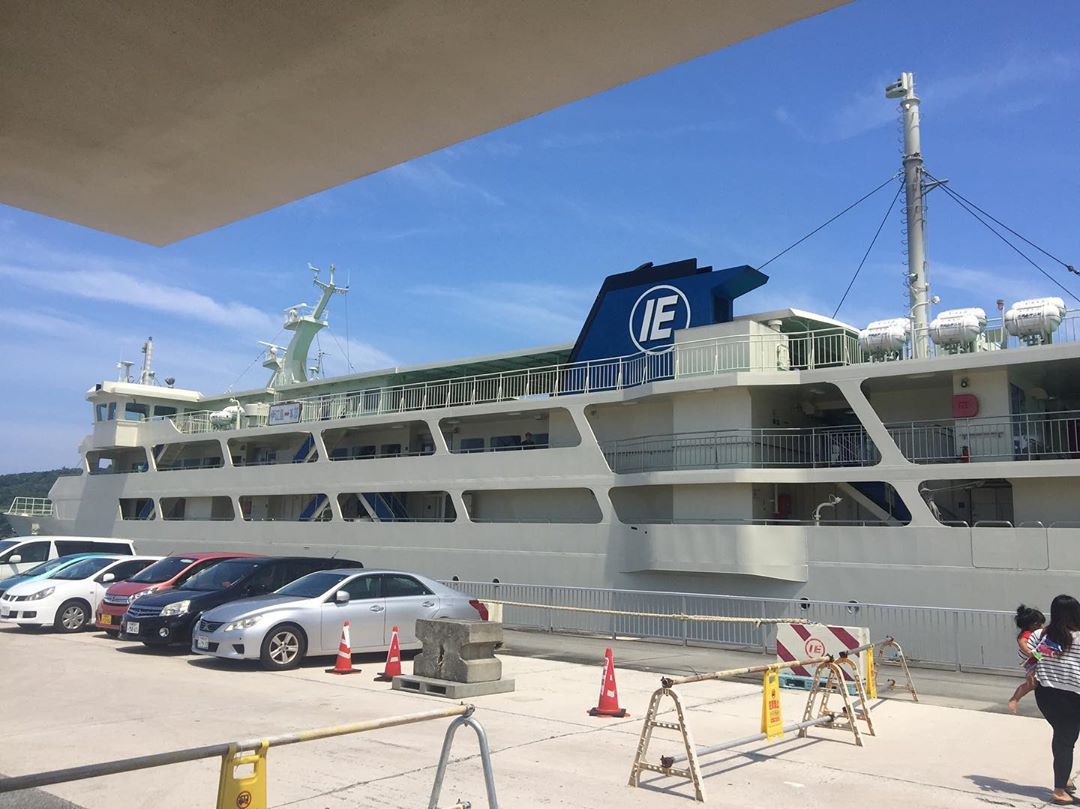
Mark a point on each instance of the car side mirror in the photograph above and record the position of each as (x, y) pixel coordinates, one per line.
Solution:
(14, 560)
(341, 597)
(108, 577)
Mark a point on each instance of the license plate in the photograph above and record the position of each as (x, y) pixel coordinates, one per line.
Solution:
(132, 627)
(105, 619)
(202, 643)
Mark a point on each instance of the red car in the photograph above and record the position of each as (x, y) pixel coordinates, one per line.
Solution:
(162, 575)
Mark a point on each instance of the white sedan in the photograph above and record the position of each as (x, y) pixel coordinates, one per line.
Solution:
(67, 599)
(304, 618)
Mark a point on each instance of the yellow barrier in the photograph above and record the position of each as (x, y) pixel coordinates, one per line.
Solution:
(249, 791)
(828, 681)
(243, 791)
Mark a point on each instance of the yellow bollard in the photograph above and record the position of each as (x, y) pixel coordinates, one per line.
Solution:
(871, 675)
(244, 791)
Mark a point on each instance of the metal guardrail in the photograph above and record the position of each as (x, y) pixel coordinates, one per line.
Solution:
(769, 351)
(936, 637)
(31, 507)
(228, 751)
(756, 447)
(1020, 437)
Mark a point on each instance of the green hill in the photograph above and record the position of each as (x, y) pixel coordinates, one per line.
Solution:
(26, 484)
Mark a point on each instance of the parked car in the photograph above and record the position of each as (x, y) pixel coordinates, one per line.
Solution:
(19, 554)
(305, 618)
(165, 618)
(161, 576)
(43, 570)
(67, 599)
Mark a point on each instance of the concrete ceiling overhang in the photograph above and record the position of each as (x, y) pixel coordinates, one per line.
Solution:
(160, 120)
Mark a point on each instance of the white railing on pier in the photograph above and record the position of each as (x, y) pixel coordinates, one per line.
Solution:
(962, 639)
(1021, 437)
(741, 448)
(766, 351)
(31, 507)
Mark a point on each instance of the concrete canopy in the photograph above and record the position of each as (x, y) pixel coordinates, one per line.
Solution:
(160, 120)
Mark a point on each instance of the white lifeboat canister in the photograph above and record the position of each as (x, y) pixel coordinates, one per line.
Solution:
(958, 327)
(1037, 317)
(885, 336)
(226, 417)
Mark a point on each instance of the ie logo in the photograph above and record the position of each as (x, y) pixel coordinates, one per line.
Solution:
(655, 317)
(815, 648)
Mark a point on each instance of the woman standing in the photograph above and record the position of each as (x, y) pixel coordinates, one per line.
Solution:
(1057, 687)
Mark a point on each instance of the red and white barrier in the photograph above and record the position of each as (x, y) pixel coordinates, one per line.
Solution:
(800, 641)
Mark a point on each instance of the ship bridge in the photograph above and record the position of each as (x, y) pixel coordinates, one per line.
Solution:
(158, 121)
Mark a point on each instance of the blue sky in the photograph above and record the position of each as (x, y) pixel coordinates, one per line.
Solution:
(502, 241)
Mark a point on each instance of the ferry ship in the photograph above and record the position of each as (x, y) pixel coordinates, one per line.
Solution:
(675, 445)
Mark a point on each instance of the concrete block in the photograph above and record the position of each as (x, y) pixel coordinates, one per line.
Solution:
(448, 689)
(459, 651)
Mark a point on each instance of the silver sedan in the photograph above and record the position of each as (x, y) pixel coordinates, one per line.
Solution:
(304, 618)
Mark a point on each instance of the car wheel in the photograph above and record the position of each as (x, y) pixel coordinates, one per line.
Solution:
(283, 647)
(72, 616)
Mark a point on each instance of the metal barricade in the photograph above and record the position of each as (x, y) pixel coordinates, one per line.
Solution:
(935, 637)
(249, 791)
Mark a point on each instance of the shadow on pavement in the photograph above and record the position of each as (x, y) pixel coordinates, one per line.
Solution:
(999, 786)
(33, 799)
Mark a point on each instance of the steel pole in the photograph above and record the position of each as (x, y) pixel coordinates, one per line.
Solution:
(918, 287)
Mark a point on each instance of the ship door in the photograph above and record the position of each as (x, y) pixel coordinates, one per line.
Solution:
(433, 506)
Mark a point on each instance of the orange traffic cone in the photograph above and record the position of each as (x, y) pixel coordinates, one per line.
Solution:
(609, 694)
(393, 661)
(343, 664)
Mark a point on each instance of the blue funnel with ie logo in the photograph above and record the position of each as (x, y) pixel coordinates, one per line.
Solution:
(638, 312)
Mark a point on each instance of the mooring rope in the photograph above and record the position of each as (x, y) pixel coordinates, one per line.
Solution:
(673, 616)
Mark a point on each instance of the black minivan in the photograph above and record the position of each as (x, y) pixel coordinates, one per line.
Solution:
(161, 619)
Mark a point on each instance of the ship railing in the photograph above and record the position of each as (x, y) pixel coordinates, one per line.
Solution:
(767, 351)
(31, 507)
(933, 637)
(1020, 437)
(756, 447)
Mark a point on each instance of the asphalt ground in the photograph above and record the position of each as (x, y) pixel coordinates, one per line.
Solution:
(76, 699)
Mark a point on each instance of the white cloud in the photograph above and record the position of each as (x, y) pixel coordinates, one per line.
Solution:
(960, 285)
(542, 312)
(868, 109)
(121, 288)
(436, 182)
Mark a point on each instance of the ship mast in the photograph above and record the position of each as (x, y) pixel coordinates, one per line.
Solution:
(918, 287)
(289, 365)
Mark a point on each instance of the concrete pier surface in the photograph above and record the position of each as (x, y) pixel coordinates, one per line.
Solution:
(77, 699)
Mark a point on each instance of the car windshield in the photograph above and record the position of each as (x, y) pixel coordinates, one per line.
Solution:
(312, 585)
(45, 567)
(162, 570)
(221, 575)
(84, 569)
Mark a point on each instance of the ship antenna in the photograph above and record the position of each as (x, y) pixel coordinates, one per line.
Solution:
(918, 285)
(146, 377)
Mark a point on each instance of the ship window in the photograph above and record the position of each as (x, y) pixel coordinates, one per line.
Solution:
(164, 410)
(390, 450)
(112, 411)
(505, 442)
(100, 410)
(366, 451)
(136, 412)
(471, 445)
